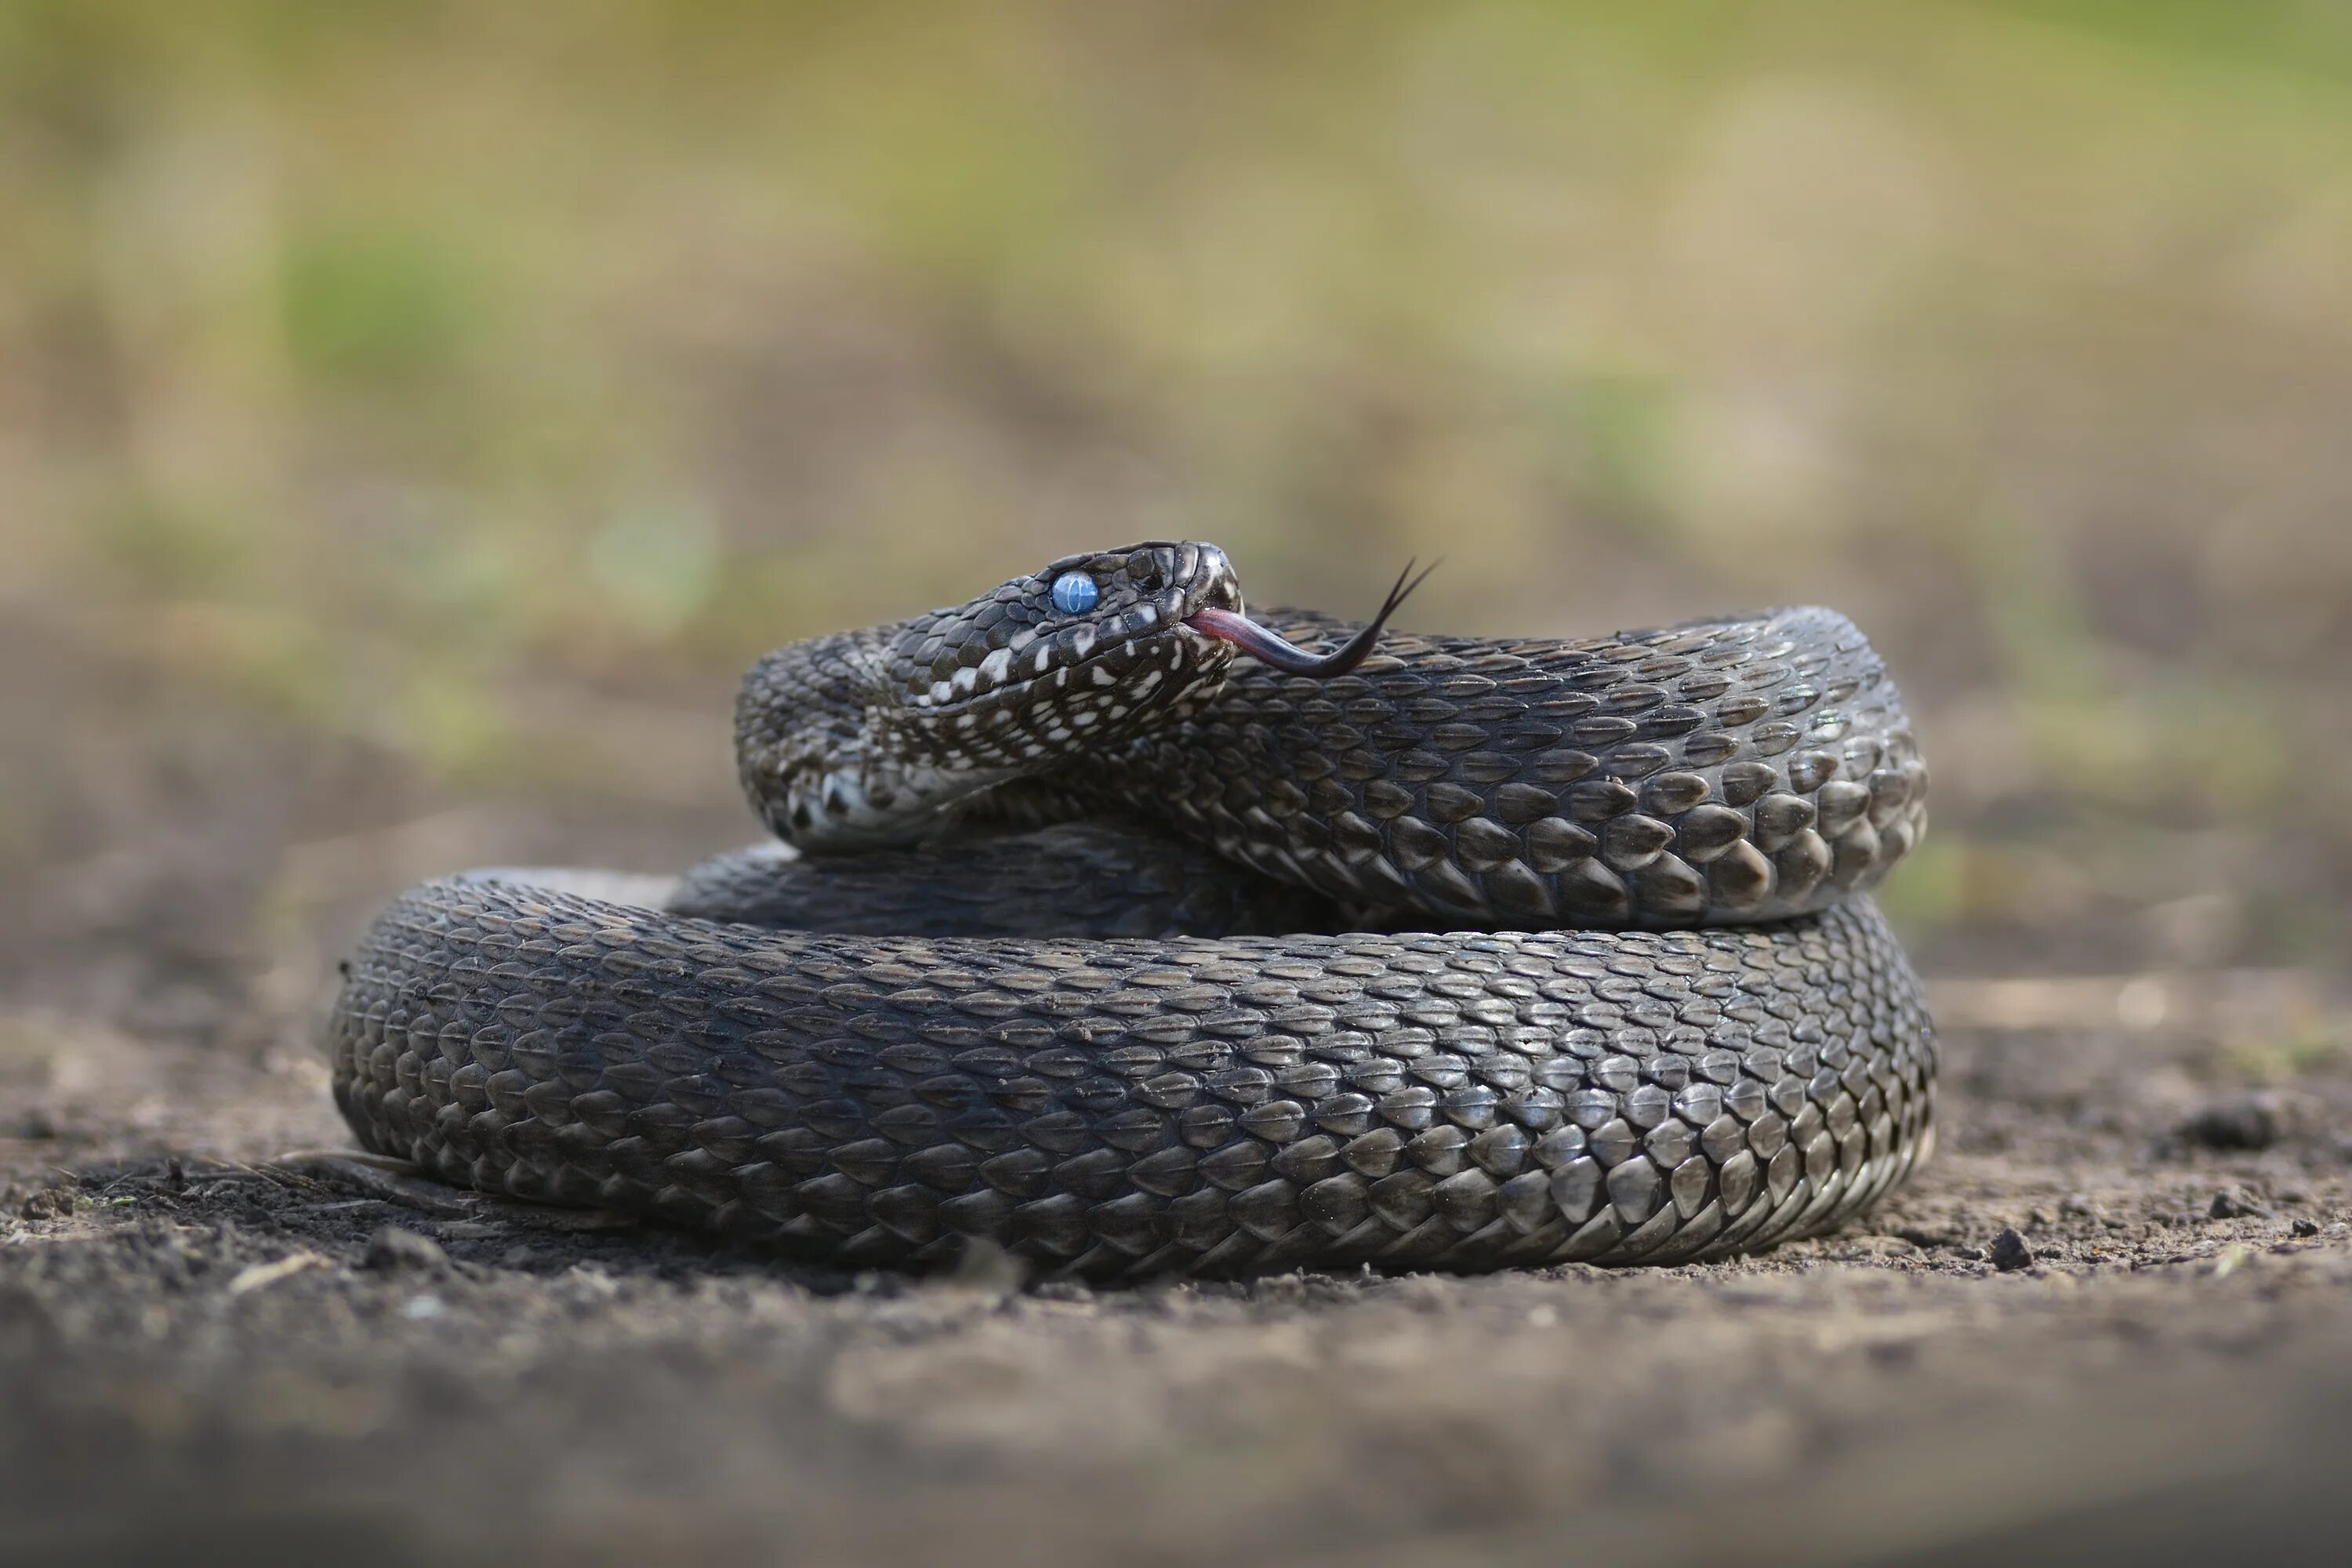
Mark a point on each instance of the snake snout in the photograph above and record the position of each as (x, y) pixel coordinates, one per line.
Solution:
(1209, 584)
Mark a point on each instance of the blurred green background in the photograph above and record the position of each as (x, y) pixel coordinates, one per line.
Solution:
(403, 404)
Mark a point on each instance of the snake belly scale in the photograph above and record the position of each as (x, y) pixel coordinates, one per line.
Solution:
(1139, 941)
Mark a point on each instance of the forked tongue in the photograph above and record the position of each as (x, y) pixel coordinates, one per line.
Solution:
(1276, 652)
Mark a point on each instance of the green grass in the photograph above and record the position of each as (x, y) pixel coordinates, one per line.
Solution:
(366, 361)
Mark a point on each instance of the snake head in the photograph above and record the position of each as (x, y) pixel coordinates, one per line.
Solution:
(1100, 643)
(1091, 649)
(847, 743)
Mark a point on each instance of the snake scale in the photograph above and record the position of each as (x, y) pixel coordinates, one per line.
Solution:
(1121, 931)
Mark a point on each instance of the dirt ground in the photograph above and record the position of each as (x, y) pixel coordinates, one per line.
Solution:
(413, 417)
(2112, 1320)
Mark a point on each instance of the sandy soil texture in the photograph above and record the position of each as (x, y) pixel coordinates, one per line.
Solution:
(2109, 1322)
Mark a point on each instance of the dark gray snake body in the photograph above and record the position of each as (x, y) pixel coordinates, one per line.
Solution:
(1199, 1024)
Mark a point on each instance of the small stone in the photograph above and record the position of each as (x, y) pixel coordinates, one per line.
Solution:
(2009, 1252)
(985, 1269)
(2252, 1120)
(2303, 1228)
(2238, 1204)
(392, 1251)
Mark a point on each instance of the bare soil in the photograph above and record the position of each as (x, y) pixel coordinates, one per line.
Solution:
(2111, 1322)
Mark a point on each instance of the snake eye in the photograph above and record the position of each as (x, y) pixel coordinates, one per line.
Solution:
(1075, 592)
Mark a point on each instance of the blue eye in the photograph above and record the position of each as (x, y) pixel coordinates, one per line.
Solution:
(1075, 592)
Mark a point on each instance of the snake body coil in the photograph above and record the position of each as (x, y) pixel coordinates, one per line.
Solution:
(1109, 940)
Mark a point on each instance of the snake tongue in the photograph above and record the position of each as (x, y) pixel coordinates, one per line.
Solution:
(1274, 651)
(1271, 648)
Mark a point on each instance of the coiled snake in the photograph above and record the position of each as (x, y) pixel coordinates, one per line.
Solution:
(1124, 933)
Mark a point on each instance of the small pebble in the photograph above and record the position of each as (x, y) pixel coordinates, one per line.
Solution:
(985, 1269)
(2303, 1228)
(2229, 1204)
(2010, 1253)
(2255, 1119)
(392, 1250)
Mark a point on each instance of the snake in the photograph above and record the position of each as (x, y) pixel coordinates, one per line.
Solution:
(1111, 924)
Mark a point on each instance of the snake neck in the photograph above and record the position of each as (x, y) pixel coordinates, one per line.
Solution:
(827, 756)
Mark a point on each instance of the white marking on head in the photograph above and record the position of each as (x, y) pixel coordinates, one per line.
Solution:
(996, 666)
